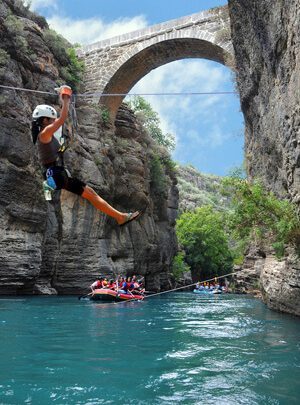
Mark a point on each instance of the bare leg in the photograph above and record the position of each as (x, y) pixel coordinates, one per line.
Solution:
(101, 205)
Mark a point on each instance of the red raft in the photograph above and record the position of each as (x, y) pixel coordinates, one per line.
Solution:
(105, 294)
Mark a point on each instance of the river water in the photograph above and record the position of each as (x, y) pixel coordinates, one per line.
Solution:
(176, 348)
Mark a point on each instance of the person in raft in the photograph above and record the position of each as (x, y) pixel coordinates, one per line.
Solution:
(96, 284)
(47, 134)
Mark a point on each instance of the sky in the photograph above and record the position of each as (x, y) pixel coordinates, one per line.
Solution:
(209, 129)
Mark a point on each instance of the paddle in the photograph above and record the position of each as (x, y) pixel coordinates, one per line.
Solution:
(84, 296)
(134, 297)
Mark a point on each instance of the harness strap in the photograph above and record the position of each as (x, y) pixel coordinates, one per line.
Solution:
(57, 162)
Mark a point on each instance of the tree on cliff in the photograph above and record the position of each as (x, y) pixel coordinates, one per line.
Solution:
(151, 122)
(258, 216)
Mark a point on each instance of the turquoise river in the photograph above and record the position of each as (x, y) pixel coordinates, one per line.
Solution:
(171, 349)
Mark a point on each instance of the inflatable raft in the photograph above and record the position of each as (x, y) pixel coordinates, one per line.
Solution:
(207, 292)
(105, 294)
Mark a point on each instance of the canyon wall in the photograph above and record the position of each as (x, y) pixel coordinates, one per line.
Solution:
(64, 245)
(266, 40)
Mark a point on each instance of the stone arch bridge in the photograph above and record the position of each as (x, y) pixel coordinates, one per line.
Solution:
(115, 65)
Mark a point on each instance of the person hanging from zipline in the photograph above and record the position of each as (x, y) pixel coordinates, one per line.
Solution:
(47, 135)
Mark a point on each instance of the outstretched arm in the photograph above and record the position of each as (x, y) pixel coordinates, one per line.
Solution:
(47, 133)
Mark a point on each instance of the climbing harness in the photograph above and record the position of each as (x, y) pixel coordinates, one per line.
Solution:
(50, 180)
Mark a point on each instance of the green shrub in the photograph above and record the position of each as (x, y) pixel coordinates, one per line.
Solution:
(75, 68)
(123, 143)
(239, 260)
(105, 116)
(103, 111)
(169, 164)
(58, 45)
(15, 29)
(258, 215)
(179, 266)
(151, 122)
(72, 68)
(4, 58)
(158, 177)
(13, 25)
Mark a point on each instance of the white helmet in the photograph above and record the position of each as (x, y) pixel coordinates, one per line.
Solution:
(44, 110)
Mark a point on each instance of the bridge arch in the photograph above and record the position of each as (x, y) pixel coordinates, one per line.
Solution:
(114, 66)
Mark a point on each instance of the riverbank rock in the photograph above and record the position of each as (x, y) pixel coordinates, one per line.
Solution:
(276, 282)
(280, 281)
(62, 246)
(266, 40)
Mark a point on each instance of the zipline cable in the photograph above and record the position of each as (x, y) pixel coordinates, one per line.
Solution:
(29, 90)
(121, 94)
(157, 94)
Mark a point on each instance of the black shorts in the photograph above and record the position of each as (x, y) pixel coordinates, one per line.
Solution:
(62, 180)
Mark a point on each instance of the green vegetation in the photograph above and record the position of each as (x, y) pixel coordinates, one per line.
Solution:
(161, 163)
(105, 115)
(4, 60)
(72, 68)
(179, 266)
(103, 111)
(257, 215)
(197, 189)
(151, 122)
(4, 57)
(157, 176)
(201, 233)
(57, 45)
(74, 71)
(123, 144)
(214, 241)
(15, 28)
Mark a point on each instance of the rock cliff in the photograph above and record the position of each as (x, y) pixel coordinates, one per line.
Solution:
(62, 246)
(197, 189)
(266, 41)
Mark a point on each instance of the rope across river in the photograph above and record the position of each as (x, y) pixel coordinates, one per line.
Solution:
(191, 285)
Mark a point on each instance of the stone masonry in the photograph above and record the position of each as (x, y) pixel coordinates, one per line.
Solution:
(115, 65)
